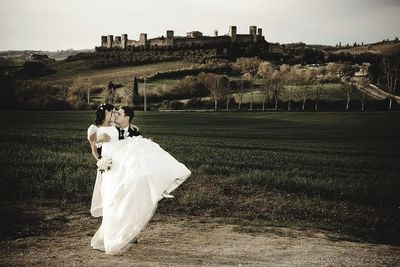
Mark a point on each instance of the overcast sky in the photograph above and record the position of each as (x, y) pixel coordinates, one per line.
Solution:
(78, 24)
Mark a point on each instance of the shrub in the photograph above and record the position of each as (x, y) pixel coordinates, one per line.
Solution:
(176, 105)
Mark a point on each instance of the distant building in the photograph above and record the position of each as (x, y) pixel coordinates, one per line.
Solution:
(195, 34)
(192, 38)
(363, 70)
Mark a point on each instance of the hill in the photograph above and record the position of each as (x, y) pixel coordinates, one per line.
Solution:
(378, 48)
(57, 55)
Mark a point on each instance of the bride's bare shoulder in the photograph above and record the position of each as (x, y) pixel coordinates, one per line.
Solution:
(92, 128)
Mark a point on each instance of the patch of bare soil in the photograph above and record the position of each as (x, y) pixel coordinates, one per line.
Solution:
(61, 237)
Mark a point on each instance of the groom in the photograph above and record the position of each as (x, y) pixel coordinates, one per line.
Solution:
(123, 118)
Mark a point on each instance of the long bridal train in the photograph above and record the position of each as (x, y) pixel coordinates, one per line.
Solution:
(141, 172)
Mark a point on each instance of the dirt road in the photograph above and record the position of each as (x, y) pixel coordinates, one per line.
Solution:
(64, 240)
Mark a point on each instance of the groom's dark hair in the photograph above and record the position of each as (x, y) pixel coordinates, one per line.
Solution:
(129, 112)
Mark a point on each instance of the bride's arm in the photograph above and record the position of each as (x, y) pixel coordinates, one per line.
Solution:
(103, 138)
(92, 141)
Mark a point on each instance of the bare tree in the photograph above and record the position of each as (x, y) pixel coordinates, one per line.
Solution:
(318, 91)
(348, 86)
(296, 77)
(249, 68)
(248, 77)
(241, 82)
(265, 70)
(391, 66)
(277, 86)
(127, 96)
(214, 83)
(309, 76)
(364, 83)
(80, 89)
(226, 85)
(287, 78)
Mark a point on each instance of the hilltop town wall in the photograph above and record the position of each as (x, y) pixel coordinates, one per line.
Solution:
(192, 38)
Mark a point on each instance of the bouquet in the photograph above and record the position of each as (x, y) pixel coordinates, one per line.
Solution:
(104, 164)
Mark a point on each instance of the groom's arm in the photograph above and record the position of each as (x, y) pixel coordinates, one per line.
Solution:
(136, 130)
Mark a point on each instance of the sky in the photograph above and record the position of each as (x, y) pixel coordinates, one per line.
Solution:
(79, 24)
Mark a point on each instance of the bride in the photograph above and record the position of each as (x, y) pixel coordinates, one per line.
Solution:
(141, 174)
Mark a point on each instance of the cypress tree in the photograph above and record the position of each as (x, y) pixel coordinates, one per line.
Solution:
(135, 91)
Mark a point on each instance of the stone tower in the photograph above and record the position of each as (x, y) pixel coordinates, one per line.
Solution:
(232, 33)
(110, 41)
(260, 37)
(104, 41)
(170, 38)
(143, 39)
(253, 33)
(124, 40)
(117, 41)
(216, 33)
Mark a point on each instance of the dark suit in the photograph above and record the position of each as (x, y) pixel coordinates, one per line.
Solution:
(133, 131)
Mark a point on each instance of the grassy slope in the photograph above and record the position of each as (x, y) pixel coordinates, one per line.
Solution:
(328, 170)
(377, 48)
(68, 71)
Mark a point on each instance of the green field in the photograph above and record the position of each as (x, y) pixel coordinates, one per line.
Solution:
(334, 171)
(66, 72)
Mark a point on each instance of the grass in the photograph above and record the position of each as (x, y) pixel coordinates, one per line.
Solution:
(330, 92)
(68, 71)
(336, 171)
(375, 48)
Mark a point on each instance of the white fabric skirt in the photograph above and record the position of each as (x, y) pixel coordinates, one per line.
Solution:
(127, 195)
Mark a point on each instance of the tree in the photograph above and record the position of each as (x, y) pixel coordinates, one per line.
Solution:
(249, 68)
(241, 82)
(135, 91)
(80, 89)
(364, 83)
(127, 95)
(214, 83)
(248, 77)
(226, 86)
(309, 77)
(285, 78)
(296, 77)
(391, 66)
(266, 70)
(106, 95)
(318, 91)
(348, 86)
(277, 86)
(112, 93)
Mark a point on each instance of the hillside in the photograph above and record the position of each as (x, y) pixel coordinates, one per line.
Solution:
(57, 55)
(66, 72)
(379, 48)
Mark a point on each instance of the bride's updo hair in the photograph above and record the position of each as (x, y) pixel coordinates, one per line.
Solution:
(101, 113)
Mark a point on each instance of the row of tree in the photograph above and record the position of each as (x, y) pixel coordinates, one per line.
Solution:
(298, 80)
(270, 79)
(308, 81)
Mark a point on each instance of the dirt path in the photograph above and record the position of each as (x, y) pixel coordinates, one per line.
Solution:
(182, 241)
(373, 91)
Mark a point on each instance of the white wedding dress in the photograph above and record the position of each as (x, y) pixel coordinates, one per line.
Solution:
(127, 195)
